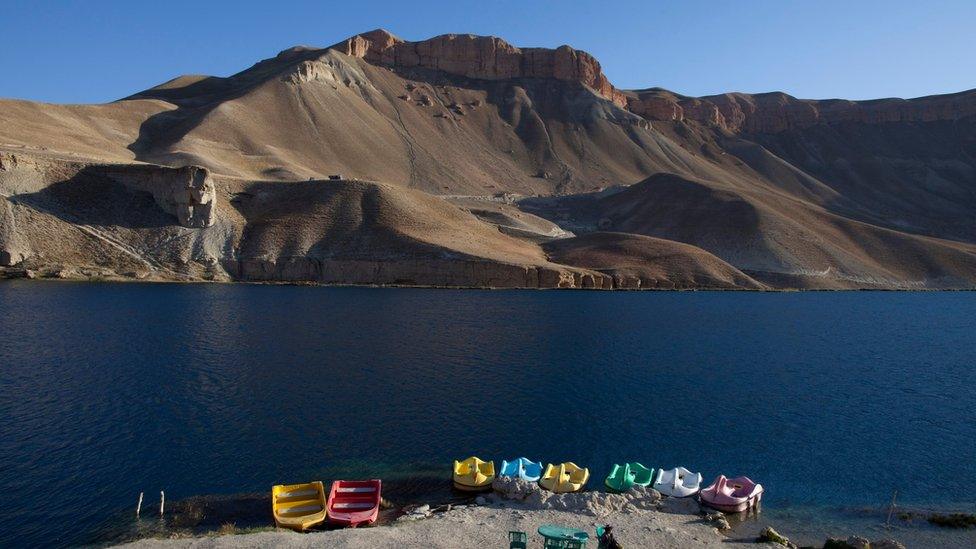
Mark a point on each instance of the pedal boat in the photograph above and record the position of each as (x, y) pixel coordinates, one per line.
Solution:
(678, 482)
(354, 502)
(523, 468)
(565, 477)
(298, 506)
(473, 474)
(732, 495)
(624, 477)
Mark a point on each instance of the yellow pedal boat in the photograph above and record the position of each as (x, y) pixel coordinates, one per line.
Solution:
(473, 474)
(298, 506)
(565, 477)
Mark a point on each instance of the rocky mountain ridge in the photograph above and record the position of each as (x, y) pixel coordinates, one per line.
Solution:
(492, 58)
(466, 161)
(776, 112)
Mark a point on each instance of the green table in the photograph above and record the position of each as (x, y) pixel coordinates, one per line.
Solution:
(551, 531)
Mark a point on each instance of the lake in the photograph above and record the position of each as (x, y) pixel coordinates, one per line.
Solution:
(832, 400)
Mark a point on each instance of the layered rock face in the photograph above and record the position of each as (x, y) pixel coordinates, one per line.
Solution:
(484, 57)
(13, 249)
(777, 112)
(187, 192)
(491, 58)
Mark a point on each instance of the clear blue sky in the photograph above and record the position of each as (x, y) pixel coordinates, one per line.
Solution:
(76, 51)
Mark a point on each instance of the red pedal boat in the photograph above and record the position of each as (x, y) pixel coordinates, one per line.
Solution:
(354, 502)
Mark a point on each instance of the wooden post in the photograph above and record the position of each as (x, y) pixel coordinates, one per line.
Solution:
(891, 509)
(139, 505)
(162, 502)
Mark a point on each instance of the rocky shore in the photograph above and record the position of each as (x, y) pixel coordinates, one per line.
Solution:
(641, 518)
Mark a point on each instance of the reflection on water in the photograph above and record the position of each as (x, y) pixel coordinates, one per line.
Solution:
(831, 400)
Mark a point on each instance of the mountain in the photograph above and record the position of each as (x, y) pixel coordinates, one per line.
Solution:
(466, 161)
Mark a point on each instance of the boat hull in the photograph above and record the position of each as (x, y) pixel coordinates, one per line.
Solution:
(564, 478)
(738, 507)
(734, 495)
(688, 483)
(473, 474)
(521, 468)
(623, 478)
(469, 488)
(354, 503)
(298, 506)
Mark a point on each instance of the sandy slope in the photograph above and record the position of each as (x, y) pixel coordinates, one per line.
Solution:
(72, 219)
(646, 262)
(772, 236)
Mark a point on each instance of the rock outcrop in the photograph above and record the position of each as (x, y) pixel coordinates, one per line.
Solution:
(13, 248)
(483, 57)
(777, 112)
(491, 58)
(187, 192)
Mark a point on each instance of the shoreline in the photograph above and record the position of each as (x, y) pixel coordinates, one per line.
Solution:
(641, 517)
(8, 274)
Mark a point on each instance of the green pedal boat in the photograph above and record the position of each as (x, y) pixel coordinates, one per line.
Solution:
(626, 476)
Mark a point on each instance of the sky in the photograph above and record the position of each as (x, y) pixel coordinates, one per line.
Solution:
(96, 51)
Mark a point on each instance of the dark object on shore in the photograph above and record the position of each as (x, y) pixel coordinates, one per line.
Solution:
(853, 542)
(772, 536)
(335, 177)
(517, 540)
(953, 520)
(857, 542)
(606, 539)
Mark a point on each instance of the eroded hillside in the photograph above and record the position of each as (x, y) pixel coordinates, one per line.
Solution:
(466, 161)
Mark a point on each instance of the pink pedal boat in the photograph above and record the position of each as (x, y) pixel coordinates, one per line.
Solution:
(732, 495)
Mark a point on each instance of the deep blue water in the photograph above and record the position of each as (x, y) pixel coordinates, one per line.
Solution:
(828, 399)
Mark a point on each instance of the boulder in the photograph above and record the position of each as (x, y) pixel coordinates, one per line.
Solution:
(768, 535)
(953, 520)
(853, 542)
(719, 521)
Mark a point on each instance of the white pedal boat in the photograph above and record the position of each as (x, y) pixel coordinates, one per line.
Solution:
(678, 482)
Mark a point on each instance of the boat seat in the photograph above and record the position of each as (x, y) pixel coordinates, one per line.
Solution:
(297, 493)
(361, 505)
(357, 489)
(302, 509)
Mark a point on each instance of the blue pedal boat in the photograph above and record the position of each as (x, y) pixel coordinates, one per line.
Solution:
(523, 468)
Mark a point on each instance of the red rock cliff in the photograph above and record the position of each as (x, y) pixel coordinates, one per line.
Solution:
(486, 57)
(489, 57)
(776, 112)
